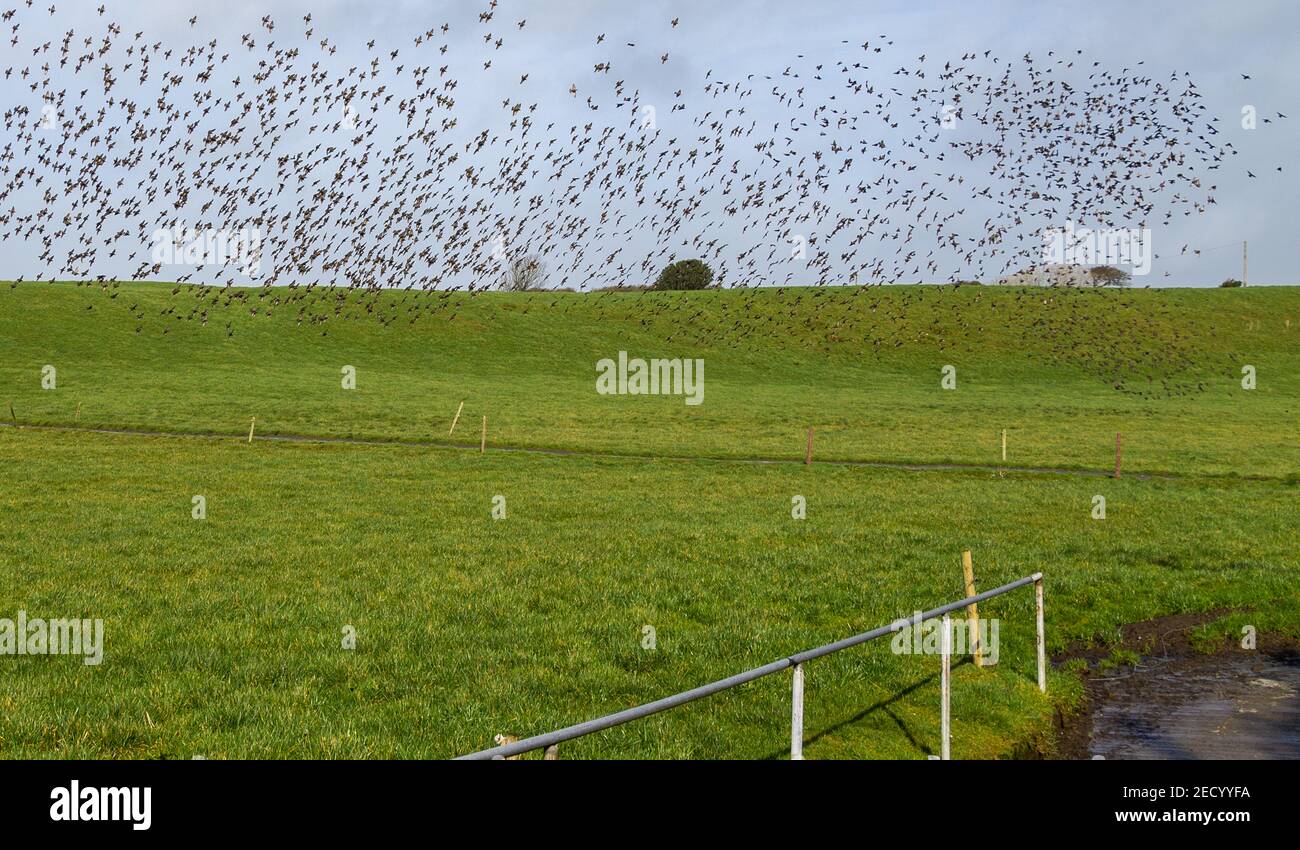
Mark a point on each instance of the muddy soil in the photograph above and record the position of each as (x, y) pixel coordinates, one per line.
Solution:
(1178, 703)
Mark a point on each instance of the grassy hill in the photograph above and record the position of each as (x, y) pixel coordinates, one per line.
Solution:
(222, 635)
(1062, 371)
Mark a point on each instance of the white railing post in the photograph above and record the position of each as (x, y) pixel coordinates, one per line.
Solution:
(945, 686)
(1042, 641)
(796, 715)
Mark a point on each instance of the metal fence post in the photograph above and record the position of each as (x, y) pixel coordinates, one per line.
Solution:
(1042, 642)
(796, 716)
(945, 686)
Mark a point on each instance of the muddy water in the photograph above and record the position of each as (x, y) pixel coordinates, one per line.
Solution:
(1217, 707)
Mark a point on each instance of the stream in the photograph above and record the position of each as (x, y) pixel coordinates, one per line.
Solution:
(1210, 707)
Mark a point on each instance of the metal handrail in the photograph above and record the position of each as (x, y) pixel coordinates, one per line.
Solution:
(569, 733)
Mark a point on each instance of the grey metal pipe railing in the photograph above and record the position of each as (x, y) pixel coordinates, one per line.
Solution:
(559, 736)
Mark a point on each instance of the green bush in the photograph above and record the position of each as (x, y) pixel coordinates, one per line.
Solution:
(1230, 283)
(685, 274)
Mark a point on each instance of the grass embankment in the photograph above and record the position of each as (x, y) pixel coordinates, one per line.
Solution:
(862, 366)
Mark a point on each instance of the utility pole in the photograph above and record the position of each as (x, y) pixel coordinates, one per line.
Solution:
(1243, 262)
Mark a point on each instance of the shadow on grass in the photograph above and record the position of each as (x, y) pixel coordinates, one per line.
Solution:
(881, 706)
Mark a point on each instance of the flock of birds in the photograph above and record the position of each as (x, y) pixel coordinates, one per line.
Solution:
(376, 179)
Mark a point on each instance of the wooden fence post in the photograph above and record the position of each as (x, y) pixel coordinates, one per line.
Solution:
(1119, 451)
(807, 453)
(456, 419)
(972, 610)
(1004, 445)
(251, 426)
(482, 445)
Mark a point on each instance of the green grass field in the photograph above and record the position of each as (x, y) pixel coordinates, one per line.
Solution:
(863, 368)
(223, 635)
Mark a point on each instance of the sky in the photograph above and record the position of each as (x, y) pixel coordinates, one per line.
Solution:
(1216, 42)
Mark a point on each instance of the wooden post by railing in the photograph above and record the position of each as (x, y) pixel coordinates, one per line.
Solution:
(796, 715)
(972, 610)
(251, 426)
(482, 445)
(807, 453)
(945, 687)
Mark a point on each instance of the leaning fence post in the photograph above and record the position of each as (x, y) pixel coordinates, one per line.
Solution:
(796, 715)
(455, 419)
(1042, 643)
(945, 687)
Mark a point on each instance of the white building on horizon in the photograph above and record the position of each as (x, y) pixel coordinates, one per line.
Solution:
(1050, 274)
